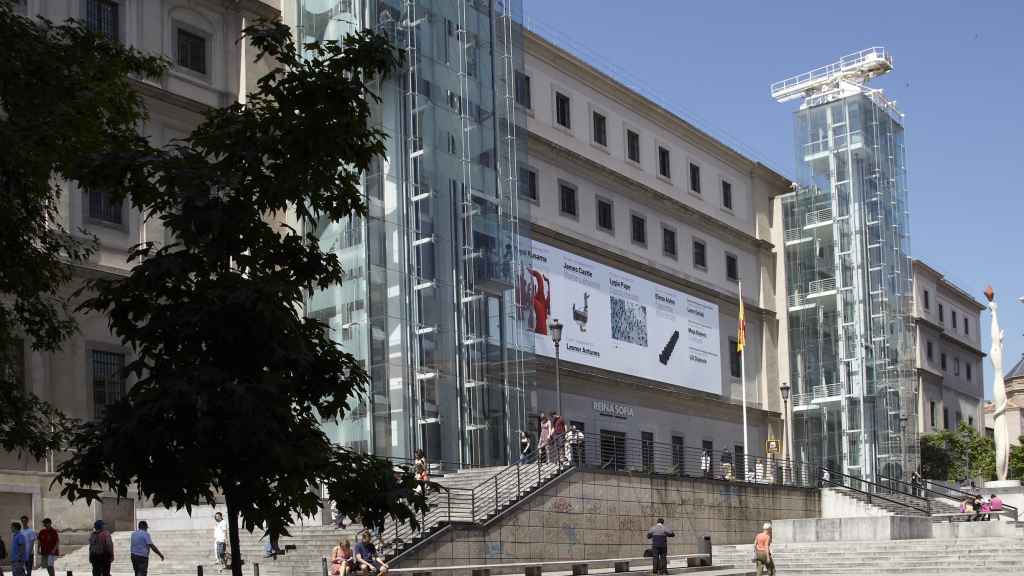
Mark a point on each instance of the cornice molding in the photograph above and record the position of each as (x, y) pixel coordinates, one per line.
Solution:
(559, 155)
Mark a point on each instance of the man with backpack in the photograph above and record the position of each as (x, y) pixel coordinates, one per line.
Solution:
(101, 550)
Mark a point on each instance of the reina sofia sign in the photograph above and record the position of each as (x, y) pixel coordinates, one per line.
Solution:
(605, 408)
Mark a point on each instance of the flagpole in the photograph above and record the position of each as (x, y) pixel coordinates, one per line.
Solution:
(743, 383)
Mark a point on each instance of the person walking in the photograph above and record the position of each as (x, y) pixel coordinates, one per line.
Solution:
(525, 444)
(558, 437)
(659, 535)
(30, 543)
(19, 551)
(574, 446)
(3, 553)
(101, 549)
(421, 469)
(49, 547)
(763, 550)
(220, 539)
(141, 544)
(545, 438)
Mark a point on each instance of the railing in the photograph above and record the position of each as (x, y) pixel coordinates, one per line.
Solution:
(940, 490)
(797, 299)
(875, 491)
(818, 216)
(822, 285)
(827, 390)
(792, 235)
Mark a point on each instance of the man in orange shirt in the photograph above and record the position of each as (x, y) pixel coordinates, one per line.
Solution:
(763, 550)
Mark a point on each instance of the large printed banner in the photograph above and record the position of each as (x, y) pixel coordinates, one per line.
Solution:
(619, 322)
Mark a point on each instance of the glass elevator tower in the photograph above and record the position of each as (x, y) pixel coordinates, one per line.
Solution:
(428, 303)
(848, 273)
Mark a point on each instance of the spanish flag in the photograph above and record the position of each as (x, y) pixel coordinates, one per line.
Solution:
(741, 331)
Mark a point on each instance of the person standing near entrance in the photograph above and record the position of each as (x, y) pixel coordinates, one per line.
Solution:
(220, 539)
(141, 544)
(101, 550)
(30, 543)
(49, 547)
(763, 550)
(545, 438)
(659, 535)
(19, 551)
(558, 437)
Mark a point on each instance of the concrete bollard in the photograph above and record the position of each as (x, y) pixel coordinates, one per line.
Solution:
(622, 566)
(199, 570)
(532, 571)
(704, 547)
(579, 569)
(256, 569)
(323, 566)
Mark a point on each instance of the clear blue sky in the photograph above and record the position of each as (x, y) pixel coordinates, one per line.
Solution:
(958, 77)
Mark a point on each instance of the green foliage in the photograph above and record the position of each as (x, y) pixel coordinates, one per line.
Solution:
(232, 379)
(65, 98)
(956, 455)
(1016, 471)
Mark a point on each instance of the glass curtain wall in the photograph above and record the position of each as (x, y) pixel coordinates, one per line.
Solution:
(430, 308)
(848, 281)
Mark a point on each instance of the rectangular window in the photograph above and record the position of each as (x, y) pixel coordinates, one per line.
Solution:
(726, 195)
(927, 300)
(942, 361)
(668, 242)
(664, 162)
(952, 317)
(562, 110)
(567, 200)
(967, 327)
(638, 226)
(694, 178)
(959, 418)
(740, 465)
(103, 207)
(605, 215)
(932, 413)
(732, 267)
(970, 421)
(942, 314)
(633, 146)
(700, 259)
(967, 366)
(108, 383)
(735, 367)
(928, 350)
(945, 418)
(679, 455)
(613, 450)
(528, 183)
(523, 96)
(101, 18)
(600, 129)
(956, 366)
(647, 451)
(191, 51)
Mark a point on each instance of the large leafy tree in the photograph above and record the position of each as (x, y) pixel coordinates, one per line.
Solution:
(232, 380)
(66, 96)
(957, 454)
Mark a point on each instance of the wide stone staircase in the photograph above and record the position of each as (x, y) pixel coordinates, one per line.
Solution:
(973, 557)
(473, 495)
(900, 504)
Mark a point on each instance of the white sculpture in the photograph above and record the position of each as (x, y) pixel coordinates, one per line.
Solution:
(1001, 432)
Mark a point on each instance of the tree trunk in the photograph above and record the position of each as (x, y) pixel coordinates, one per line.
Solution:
(236, 554)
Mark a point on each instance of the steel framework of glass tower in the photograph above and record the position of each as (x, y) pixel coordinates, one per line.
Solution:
(428, 303)
(848, 274)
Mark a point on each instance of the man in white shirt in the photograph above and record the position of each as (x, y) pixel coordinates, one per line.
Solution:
(141, 544)
(30, 544)
(220, 538)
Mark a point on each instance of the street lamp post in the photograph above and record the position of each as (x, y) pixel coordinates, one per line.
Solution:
(556, 336)
(784, 390)
(903, 445)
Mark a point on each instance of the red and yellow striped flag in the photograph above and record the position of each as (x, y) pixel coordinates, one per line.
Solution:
(741, 331)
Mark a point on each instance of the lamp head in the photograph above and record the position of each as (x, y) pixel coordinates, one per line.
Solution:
(556, 330)
(784, 388)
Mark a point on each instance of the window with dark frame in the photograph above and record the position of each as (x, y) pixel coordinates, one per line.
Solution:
(694, 178)
(638, 225)
(191, 51)
(928, 349)
(679, 455)
(528, 183)
(523, 96)
(967, 326)
(103, 207)
(735, 367)
(563, 110)
(567, 200)
(633, 146)
(942, 314)
(967, 366)
(647, 451)
(613, 450)
(952, 317)
(600, 129)
(664, 162)
(732, 267)
(942, 361)
(668, 242)
(700, 259)
(956, 366)
(933, 413)
(727, 194)
(108, 382)
(605, 215)
(927, 300)
(101, 17)
(945, 418)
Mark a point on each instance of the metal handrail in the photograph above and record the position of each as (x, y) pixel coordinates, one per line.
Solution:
(924, 486)
(848, 485)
